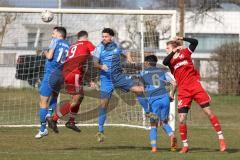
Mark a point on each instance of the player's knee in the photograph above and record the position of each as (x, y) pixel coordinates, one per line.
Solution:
(182, 118)
(208, 112)
(104, 103)
(43, 104)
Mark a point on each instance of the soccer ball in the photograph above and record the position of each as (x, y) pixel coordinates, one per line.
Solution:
(47, 16)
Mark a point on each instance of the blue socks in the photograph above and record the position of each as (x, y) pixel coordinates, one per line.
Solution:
(42, 114)
(144, 102)
(52, 106)
(153, 136)
(168, 129)
(101, 118)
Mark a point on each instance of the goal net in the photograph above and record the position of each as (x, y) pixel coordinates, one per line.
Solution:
(24, 37)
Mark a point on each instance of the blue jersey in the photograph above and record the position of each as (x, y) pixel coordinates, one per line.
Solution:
(60, 47)
(109, 55)
(154, 80)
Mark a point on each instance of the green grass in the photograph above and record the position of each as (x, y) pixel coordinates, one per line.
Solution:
(121, 143)
(20, 106)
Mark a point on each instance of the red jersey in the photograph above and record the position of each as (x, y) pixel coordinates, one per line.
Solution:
(77, 56)
(183, 69)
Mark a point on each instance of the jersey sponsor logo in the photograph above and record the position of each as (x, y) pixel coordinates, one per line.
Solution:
(181, 56)
(185, 62)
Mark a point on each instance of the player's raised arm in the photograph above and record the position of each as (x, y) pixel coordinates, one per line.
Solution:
(49, 53)
(167, 59)
(193, 42)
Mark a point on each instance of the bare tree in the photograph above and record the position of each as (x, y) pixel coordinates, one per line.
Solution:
(132, 29)
(6, 19)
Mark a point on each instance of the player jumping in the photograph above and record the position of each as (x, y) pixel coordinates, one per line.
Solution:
(73, 75)
(107, 58)
(55, 57)
(189, 87)
(158, 99)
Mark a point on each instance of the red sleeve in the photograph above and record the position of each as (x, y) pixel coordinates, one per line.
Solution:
(90, 46)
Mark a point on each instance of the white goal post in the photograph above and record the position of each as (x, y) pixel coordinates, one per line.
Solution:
(172, 23)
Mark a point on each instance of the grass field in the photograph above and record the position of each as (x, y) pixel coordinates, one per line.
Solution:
(121, 143)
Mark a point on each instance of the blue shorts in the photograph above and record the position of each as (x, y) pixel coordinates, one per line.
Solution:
(160, 107)
(52, 82)
(108, 84)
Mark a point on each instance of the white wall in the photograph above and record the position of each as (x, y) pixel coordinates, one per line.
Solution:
(7, 78)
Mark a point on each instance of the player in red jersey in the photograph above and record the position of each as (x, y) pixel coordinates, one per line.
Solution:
(189, 87)
(73, 73)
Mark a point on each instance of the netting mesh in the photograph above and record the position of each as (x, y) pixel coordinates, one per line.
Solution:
(27, 36)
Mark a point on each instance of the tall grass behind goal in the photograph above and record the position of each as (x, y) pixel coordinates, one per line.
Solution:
(26, 35)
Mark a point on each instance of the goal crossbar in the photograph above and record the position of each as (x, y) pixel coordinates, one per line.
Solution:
(88, 11)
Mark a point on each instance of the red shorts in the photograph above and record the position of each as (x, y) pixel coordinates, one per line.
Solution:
(73, 83)
(191, 92)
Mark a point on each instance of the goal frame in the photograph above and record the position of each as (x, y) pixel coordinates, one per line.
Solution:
(139, 12)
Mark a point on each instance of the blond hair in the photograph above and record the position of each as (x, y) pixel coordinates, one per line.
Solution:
(174, 43)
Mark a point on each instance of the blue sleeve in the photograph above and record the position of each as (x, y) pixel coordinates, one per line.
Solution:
(168, 77)
(53, 44)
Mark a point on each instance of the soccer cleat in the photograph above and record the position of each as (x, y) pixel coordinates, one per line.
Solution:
(222, 145)
(100, 137)
(41, 134)
(52, 124)
(184, 150)
(173, 141)
(154, 149)
(71, 125)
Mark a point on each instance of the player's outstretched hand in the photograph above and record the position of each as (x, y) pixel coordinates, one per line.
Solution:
(177, 38)
(104, 67)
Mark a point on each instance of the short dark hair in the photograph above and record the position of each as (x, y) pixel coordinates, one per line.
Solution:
(82, 34)
(109, 31)
(61, 30)
(152, 59)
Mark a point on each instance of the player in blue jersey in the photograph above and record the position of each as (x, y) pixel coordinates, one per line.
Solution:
(55, 57)
(157, 99)
(107, 58)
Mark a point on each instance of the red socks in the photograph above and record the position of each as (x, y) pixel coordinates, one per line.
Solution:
(65, 109)
(183, 133)
(215, 123)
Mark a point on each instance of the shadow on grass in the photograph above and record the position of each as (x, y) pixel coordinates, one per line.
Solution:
(229, 150)
(192, 150)
(111, 148)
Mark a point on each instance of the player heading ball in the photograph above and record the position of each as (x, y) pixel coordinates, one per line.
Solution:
(107, 58)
